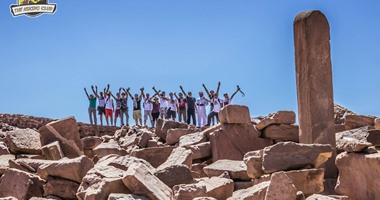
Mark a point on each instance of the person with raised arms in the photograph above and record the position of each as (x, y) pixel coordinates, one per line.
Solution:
(191, 107)
(181, 107)
(118, 101)
(163, 103)
(92, 107)
(227, 100)
(102, 101)
(211, 95)
(137, 106)
(173, 107)
(109, 108)
(148, 107)
(218, 104)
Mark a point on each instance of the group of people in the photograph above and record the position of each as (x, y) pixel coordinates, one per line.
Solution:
(156, 106)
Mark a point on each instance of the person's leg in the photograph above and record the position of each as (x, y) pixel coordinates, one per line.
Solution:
(107, 116)
(204, 116)
(199, 114)
(145, 116)
(150, 117)
(94, 115)
(184, 115)
(127, 116)
(180, 115)
(217, 117)
(140, 117)
(209, 119)
(122, 112)
(89, 115)
(111, 116)
(188, 114)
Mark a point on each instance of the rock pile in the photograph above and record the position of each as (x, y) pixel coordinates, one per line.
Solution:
(231, 160)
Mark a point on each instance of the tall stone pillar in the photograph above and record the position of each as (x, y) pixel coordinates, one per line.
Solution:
(314, 82)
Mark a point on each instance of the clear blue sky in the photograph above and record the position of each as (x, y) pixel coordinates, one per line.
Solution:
(46, 61)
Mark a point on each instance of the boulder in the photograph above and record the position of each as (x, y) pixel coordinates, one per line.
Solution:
(319, 197)
(107, 148)
(21, 185)
(4, 149)
(178, 156)
(365, 134)
(128, 140)
(236, 169)
(289, 156)
(216, 187)
(120, 196)
(280, 187)
(197, 170)
(254, 162)
(174, 175)
(24, 141)
(65, 131)
(256, 192)
(61, 188)
(91, 142)
(71, 169)
(166, 125)
(234, 114)
(140, 180)
(355, 121)
(4, 162)
(239, 185)
(233, 141)
(309, 181)
(280, 117)
(154, 155)
(377, 123)
(52, 151)
(358, 175)
(144, 137)
(28, 164)
(189, 191)
(200, 151)
(173, 135)
(351, 145)
(192, 139)
(282, 132)
(300, 196)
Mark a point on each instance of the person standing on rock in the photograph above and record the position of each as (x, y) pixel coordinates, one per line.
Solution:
(163, 103)
(191, 106)
(155, 111)
(102, 101)
(118, 101)
(181, 107)
(227, 100)
(137, 106)
(92, 107)
(202, 102)
(109, 108)
(148, 107)
(173, 107)
(211, 95)
(124, 109)
(218, 104)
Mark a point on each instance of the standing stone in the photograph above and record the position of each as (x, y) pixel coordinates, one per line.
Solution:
(314, 82)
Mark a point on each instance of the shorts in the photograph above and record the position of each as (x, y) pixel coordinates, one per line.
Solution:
(147, 113)
(137, 114)
(155, 116)
(101, 110)
(108, 112)
(117, 113)
(171, 114)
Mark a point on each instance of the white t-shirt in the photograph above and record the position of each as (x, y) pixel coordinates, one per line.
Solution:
(147, 105)
(173, 104)
(217, 104)
(163, 103)
(102, 101)
(109, 103)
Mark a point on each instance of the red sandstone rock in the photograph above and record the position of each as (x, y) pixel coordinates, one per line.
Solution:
(234, 114)
(280, 117)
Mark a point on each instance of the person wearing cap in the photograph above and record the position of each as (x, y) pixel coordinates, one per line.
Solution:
(201, 103)
(92, 107)
(172, 107)
(191, 106)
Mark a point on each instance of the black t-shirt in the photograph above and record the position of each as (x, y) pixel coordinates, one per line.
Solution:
(137, 104)
(190, 102)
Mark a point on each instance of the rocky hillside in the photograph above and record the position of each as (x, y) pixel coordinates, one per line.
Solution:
(240, 158)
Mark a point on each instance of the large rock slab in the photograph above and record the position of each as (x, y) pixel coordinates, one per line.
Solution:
(256, 192)
(173, 135)
(236, 169)
(282, 132)
(200, 151)
(281, 187)
(24, 141)
(28, 164)
(91, 142)
(65, 131)
(289, 156)
(161, 131)
(140, 180)
(280, 117)
(174, 175)
(355, 121)
(72, 169)
(20, 184)
(188, 191)
(358, 175)
(351, 145)
(314, 82)
(61, 188)
(178, 156)
(309, 181)
(156, 156)
(4, 162)
(254, 162)
(218, 188)
(234, 114)
(109, 147)
(4, 150)
(52, 151)
(233, 141)
(119, 196)
(365, 134)
(192, 139)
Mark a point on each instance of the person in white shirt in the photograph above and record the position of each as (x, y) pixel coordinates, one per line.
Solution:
(148, 107)
(202, 102)
(102, 101)
(163, 103)
(227, 100)
(218, 104)
(109, 108)
(172, 107)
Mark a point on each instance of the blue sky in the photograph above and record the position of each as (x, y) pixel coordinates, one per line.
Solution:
(46, 61)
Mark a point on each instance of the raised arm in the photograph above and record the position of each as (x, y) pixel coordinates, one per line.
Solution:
(142, 93)
(157, 93)
(237, 90)
(95, 91)
(154, 89)
(183, 91)
(129, 94)
(175, 94)
(113, 96)
(120, 90)
(207, 92)
(108, 89)
(217, 90)
(85, 90)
